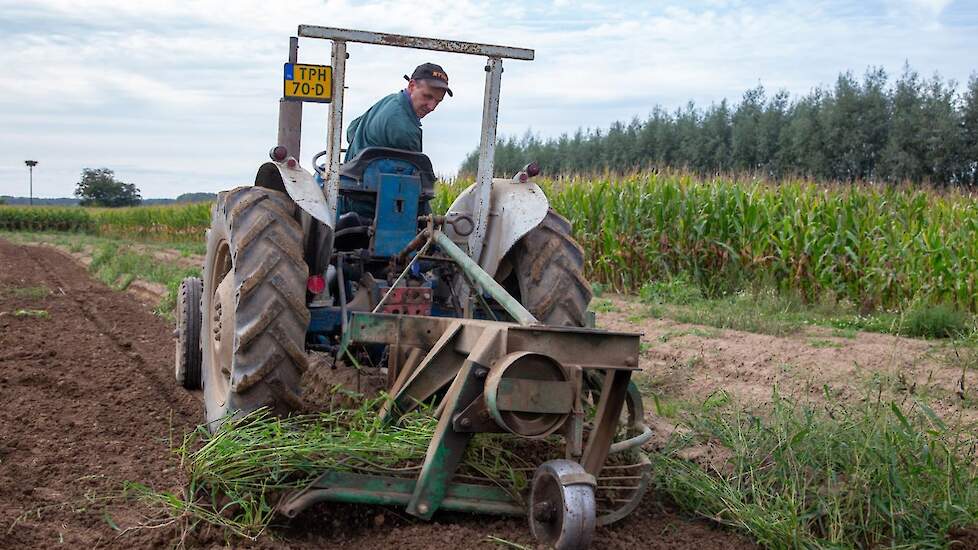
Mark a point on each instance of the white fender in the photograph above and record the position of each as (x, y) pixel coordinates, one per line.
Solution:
(303, 189)
(515, 209)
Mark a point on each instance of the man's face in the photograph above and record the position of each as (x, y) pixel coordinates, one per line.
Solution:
(424, 97)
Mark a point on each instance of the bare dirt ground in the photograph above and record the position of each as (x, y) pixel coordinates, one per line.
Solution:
(692, 362)
(89, 402)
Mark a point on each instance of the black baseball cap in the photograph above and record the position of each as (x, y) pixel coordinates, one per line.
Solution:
(434, 74)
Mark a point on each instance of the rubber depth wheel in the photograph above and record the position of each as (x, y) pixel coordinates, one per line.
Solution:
(188, 333)
(548, 273)
(562, 506)
(254, 309)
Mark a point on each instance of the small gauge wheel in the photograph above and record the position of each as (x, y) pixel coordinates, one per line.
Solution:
(188, 354)
(562, 505)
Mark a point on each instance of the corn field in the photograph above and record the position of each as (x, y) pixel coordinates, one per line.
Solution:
(876, 247)
(174, 223)
(45, 218)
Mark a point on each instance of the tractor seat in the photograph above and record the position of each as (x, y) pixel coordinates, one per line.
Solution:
(354, 167)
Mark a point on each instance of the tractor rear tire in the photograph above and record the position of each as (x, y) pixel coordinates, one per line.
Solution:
(254, 310)
(548, 268)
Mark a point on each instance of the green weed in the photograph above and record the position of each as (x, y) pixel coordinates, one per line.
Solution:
(937, 321)
(32, 313)
(708, 332)
(847, 333)
(868, 475)
(823, 343)
(602, 305)
(30, 293)
(598, 289)
(678, 290)
(765, 313)
(715, 400)
(666, 408)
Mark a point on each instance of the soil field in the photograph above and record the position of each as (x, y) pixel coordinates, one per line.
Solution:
(89, 402)
(691, 362)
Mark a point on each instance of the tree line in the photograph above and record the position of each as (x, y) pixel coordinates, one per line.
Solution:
(912, 129)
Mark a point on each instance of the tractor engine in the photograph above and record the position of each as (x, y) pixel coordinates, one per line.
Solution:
(382, 194)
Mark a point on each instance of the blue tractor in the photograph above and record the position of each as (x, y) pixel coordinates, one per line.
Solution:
(481, 311)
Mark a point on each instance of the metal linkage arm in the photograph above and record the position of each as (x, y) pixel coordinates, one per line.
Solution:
(416, 42)
(485, 280)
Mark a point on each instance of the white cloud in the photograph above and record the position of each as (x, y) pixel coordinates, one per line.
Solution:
(932, 6)
(183, 96)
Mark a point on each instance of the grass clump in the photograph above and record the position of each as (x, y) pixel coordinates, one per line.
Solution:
(238, 474)
(26, 293)
(875, 474)
(678, 290)
(761, 310)
(603, 305)
(936, 321)
(32, 313)
(823, 343)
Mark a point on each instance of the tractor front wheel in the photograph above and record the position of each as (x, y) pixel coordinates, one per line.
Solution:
(188, 333)
(254, 310)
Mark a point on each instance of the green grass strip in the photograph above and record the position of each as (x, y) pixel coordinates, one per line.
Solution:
(869, 475)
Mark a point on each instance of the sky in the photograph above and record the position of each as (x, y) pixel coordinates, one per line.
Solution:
(180, 97)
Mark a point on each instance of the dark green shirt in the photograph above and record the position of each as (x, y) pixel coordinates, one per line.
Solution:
(391, 122)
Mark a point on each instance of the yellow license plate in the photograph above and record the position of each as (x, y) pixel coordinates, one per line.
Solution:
(308, 82)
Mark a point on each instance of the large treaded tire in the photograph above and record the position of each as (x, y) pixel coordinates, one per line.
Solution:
(548, 267)
(256, 240)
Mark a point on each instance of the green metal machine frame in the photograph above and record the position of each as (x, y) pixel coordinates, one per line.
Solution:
(496, 377)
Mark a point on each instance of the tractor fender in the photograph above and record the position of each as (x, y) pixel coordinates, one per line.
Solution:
(515, 209)
(287, 176)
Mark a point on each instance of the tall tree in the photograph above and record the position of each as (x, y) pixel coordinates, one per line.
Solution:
(687, 136)
(942, 133)
(773, 121)
(716, 139)
(746, 131)
(98, 187)
(844, 132)
(874, 122)
(805, 137)
(904, 154)
(969, 132)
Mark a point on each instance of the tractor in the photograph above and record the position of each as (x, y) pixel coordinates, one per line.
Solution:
(480, 312)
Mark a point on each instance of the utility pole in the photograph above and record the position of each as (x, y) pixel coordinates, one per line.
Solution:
(30, 166)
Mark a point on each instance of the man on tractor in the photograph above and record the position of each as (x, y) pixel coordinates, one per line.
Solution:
(336, 279)
(395, 121)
